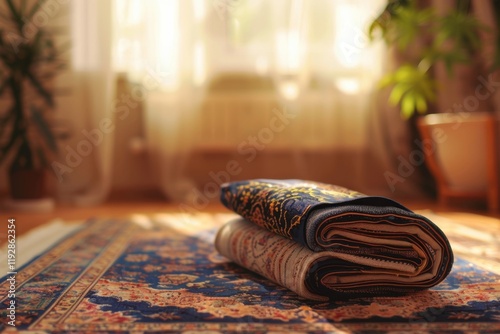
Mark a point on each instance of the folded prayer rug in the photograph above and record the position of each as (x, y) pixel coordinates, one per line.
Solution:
(324, 241)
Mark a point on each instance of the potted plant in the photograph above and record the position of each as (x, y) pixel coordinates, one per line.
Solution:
(29, 60)
(447, 45)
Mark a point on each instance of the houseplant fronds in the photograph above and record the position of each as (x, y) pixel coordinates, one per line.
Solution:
(29, 59)
(450, 39)
(412, 89)
(383, 21)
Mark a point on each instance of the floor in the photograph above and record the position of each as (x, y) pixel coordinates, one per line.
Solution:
(478, 230)
(117, 208)
(469, 243)
(26, 221)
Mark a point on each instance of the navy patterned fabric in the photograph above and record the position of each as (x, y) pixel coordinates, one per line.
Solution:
(405, 251)
(283, 206)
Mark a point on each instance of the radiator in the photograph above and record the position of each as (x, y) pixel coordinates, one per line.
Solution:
(228, 119)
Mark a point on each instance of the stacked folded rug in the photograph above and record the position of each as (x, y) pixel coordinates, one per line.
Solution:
(328, 242)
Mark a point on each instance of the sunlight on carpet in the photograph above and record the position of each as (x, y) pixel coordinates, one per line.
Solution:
(161, 273)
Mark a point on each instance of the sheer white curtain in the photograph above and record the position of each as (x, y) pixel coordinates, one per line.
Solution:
(85, 106)
(230, 89)
(160, 45)
(313, 59)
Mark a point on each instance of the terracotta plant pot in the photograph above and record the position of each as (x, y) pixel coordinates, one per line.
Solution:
(27, 183)
(461, 153)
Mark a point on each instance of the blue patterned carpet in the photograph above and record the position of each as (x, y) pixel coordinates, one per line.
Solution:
(116, 276)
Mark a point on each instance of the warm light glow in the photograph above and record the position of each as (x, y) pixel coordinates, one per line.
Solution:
(167, 41)
(199, 74)
(199, 9)
(288, 51)
(348, 85)
(289, 89)
(347, 44)
(134, 12)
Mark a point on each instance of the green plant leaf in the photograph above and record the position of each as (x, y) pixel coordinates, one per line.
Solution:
(385, 21)
(4, 122)
(386, 80)
(16, 15)
(35, 8)
(421, 104)
(39, 87)
(393, 5)
(428, 89)
(412, 89)
(409, 24)
(397, 93)
(5, 151)
(461, 30)
(408, 106)
(14, 137)
(44, 128)
(377, 24)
